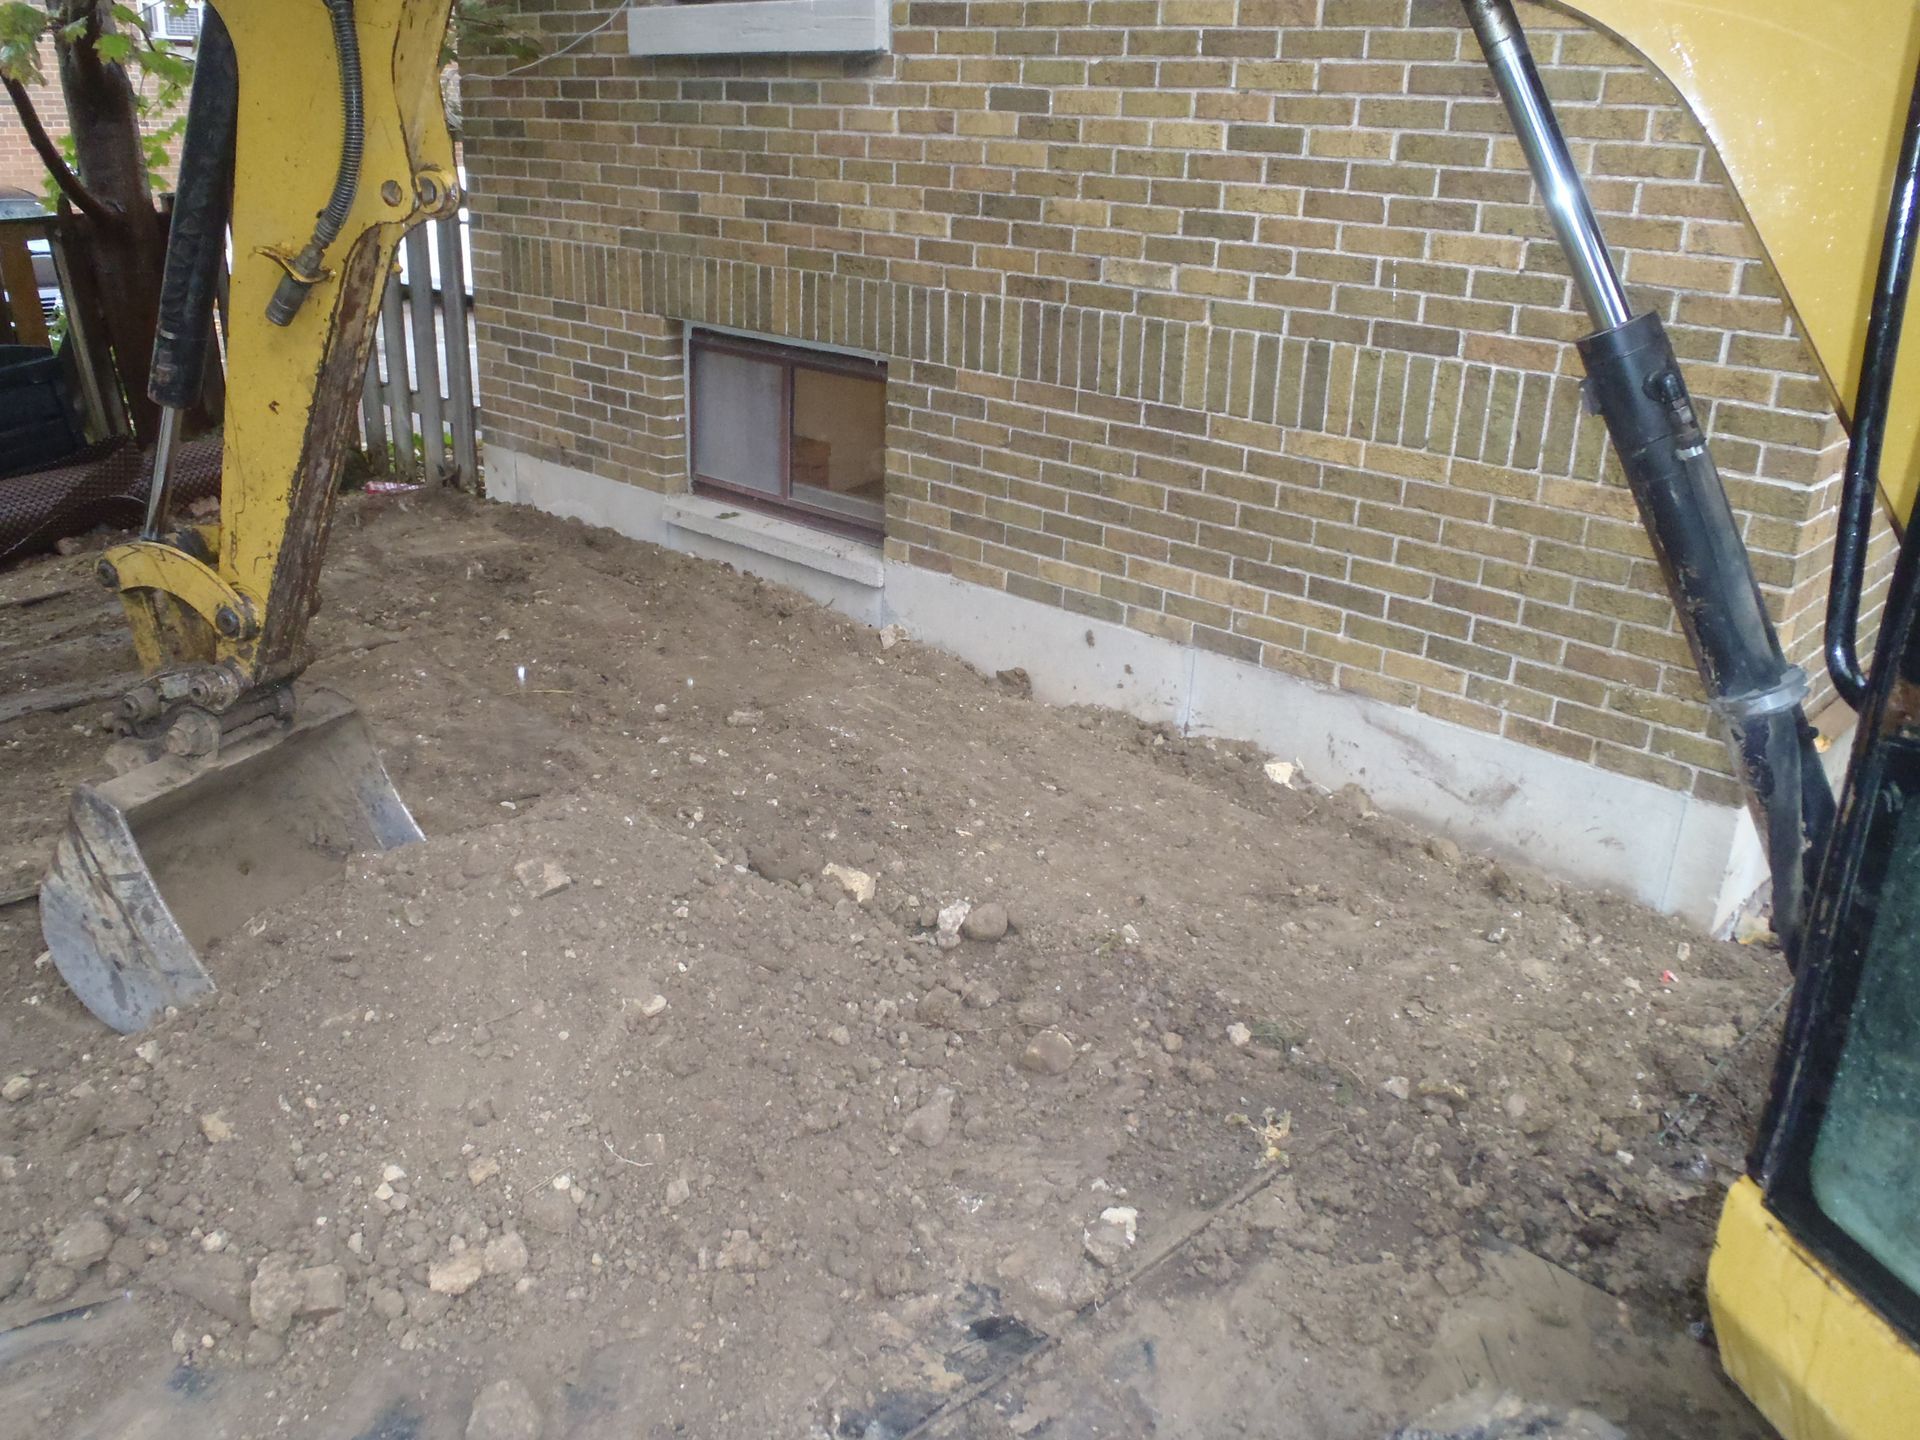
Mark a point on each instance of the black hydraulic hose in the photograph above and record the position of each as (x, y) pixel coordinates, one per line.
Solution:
(304, 272)
(197, 237)
(1871, 402)
(1634, 383)
(353, 133)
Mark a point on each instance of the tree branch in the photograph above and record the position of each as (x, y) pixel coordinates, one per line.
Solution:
(84, 200)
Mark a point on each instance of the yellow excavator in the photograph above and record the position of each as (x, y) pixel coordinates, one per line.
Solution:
(239, 785)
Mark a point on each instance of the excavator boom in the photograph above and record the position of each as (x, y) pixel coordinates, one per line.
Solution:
(241, 788)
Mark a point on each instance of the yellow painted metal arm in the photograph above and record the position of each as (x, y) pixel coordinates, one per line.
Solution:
(1804, 103)
(292, 390)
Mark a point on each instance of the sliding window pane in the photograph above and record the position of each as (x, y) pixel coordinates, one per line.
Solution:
(840, 444)
(737, 421)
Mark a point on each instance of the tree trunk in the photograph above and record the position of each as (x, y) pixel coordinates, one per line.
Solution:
(129, 251)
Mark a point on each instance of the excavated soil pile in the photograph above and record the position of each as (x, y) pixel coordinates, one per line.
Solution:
(784, 1028)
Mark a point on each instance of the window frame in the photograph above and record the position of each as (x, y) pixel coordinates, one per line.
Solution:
(790, 358)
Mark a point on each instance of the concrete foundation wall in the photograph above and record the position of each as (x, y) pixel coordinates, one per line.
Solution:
(1677, 852)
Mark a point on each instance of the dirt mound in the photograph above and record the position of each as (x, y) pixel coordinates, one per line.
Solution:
(687, 1077)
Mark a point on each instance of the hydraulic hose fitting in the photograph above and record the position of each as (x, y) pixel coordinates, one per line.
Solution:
(305, 270)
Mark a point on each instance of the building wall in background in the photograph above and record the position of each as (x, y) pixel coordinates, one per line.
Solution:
(1231, 322)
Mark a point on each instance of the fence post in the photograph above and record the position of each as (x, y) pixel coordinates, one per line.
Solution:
(460, 386)
(393, 338)
(426, 352)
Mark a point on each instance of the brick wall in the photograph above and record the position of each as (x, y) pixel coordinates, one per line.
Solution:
(1232, 321)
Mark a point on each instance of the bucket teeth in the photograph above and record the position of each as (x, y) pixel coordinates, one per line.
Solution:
(160, 862)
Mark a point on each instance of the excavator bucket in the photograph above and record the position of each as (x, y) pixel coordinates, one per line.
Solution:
(160, 862)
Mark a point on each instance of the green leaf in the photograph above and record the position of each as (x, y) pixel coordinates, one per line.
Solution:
(114, 49)
(21, 26)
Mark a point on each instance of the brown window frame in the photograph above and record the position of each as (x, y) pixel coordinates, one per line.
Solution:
(790, 358)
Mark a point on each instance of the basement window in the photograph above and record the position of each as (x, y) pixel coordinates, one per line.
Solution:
(802, 432)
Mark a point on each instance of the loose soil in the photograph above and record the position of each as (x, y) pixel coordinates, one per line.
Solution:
(719, 1149)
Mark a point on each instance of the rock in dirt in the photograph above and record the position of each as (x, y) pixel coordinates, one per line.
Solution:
(85, 1242)
(1398, 1086)
(541, 877)
(53, 1282)
(948, 922)
(1048, 1053)
(323, 1291)
(1108, 1239)
(933, 1121)
(16, 1088)
(857, 883)
(216, 1282)
(1239, 1036)
(482, 1169)
(216, 1129)
(1443, 850)
(13, 1269)
(549, 1211)
(678, 1192)
(282, 1293)
(505, 1254)
(986, 922)
(264, 1348)
(505, 1410)
(456, 1274)
(892, 635)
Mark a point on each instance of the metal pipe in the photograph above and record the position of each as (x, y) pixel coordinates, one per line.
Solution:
(1870, 405)
(1570, 213)
(162, 470)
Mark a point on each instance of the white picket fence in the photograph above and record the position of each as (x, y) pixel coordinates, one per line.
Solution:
(421, 421)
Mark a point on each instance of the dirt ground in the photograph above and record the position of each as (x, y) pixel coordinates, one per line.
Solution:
(605, 1112)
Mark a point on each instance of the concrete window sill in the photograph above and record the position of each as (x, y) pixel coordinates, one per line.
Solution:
(797, 544)
(762, 27)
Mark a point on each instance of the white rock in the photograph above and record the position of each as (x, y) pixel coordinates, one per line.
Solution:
(85, 1242)
(1281, 772)
(216, 1129)
(457, 1274)
(16, 1087)
(541, 877)
(857, 883)
(953, 917)
(1108, 1240)
(383, 1191)
(393, 1174)
(1239, 1036)
(563, 1182)
(892, 635)
(481, 1170)
(678, 1192)
(1398, 1086)
(148, 1051)
(214, 1242)
(653, 1006)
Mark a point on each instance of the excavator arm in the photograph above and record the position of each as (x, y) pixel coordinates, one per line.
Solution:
(243, 609)
(323, 120)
